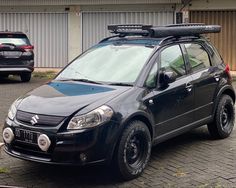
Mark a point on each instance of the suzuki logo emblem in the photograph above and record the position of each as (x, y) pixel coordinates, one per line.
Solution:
(34, 119)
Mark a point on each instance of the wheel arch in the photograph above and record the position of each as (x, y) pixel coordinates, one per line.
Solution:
(140, 116)
(226, 90)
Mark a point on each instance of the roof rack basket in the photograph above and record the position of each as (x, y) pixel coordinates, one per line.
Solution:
(175, 30)
(130, 29)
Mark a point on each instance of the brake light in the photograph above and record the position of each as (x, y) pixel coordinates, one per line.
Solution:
(27, 48)
(227, 70)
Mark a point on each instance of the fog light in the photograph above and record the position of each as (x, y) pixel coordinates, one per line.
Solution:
(8, 135)
(83, 157)
(44, 142)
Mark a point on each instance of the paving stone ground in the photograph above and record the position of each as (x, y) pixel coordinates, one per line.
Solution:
(189, 160)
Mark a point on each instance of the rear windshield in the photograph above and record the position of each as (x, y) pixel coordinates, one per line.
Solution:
(17, 40)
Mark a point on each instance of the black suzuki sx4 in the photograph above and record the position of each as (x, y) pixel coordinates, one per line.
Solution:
(131, 91)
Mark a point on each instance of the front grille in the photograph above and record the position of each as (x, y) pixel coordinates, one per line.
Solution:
(43, 120)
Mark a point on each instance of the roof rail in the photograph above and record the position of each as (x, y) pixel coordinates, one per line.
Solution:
(175, 30)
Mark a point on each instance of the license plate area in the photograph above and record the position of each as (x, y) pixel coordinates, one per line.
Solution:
(26, 136)
(12, 54)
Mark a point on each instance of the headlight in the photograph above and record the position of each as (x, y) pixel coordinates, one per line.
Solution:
(12, 112)
(13, 109)
(91, 119)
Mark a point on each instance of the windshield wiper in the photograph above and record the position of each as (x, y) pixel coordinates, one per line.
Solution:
(120, 84)
(81, 80)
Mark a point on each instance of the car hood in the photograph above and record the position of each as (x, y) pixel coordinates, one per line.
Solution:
(65, 98)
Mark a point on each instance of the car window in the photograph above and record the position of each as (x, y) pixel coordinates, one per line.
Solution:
(172, 60)
(16, 41)
(151, 79)
(111, 63)
(214, 54)
(198, 57)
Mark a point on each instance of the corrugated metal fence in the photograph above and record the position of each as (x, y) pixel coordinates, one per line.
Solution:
(224, 41)
(95, 23)
(48, 32)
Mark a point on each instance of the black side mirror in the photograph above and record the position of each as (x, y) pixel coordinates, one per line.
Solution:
(166, 77)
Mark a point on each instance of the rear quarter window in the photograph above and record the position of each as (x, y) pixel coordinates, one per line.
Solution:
(198, 57)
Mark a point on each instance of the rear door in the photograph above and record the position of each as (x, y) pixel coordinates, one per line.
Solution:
(206, 77)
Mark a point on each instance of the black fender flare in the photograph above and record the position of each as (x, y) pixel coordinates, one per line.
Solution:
(227, 89)
(139, 115)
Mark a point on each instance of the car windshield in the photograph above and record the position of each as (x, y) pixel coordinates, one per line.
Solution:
(109, 63)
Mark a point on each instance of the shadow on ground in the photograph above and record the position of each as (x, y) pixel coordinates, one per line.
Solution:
(104, 176)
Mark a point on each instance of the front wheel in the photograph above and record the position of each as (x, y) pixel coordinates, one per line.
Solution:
(223, 123)
(134, 150)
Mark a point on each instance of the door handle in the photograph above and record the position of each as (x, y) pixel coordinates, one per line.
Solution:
(189, 87)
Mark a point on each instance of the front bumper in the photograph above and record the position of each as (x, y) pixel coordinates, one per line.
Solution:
(67, 148)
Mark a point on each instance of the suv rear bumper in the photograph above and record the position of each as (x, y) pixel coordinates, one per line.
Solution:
(15, 69)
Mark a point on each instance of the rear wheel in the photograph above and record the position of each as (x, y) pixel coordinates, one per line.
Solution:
(25, 77)
(134, 150)
(223, 123)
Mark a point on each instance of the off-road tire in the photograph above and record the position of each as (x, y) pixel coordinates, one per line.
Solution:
(133, 151)
(223, 123)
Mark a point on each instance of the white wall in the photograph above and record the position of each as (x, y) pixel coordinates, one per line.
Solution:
(212, 4)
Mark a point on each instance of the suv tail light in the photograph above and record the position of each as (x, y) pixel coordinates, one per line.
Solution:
(27, 48)
(227, 71)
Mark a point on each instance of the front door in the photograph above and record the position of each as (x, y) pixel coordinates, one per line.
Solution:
(172, 106)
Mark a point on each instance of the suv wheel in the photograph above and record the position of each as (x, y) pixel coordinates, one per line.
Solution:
(223, 123)
(133, 150)
(25, 77)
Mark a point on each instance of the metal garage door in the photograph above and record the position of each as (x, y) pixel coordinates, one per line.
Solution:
(225, 41)
(95, 23)
(48, 32)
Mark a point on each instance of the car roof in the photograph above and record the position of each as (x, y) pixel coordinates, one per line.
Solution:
(12, 34)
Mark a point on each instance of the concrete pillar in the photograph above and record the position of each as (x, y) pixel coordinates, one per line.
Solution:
(74, 32)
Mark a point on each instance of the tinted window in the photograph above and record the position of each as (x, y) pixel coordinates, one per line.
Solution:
(16, 41)
(214, 54)
(198, 57)
(172, 60)
(151, 80)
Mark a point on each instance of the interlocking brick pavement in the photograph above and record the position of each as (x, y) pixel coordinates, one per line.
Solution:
(189, 160)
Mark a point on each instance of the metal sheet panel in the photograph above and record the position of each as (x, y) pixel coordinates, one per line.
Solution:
(94, 24)
(81, 2)
(223, 41)
(48, 32)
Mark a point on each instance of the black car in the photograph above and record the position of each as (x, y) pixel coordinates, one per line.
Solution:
(129, 92)
(16, 55)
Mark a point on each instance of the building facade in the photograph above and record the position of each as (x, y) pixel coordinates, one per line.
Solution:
(62, 29)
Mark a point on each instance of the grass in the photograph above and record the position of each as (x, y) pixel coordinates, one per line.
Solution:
(3, 170)
(44, 75)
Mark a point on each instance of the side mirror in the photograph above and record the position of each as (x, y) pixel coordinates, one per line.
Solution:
(166, 77)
